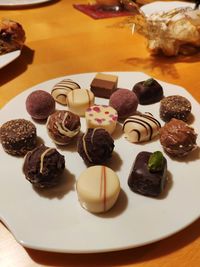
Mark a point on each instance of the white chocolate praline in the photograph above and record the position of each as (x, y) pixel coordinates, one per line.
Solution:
(98, 189)
(141, 127)
(101, 116)
(61, 90)
(79, 100)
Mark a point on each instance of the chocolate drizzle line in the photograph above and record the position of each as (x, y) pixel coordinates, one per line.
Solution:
(42, 158)
(85, 147)
(103, 183)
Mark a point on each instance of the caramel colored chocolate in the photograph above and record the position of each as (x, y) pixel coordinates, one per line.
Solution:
(103, 85)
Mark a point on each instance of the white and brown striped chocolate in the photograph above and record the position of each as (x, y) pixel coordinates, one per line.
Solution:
(61, 89)
(141, 127)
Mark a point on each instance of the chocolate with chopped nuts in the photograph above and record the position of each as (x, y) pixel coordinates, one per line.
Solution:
(175, 106)
(18, 136)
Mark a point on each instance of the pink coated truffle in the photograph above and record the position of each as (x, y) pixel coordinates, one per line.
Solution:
(40, 104)
(124, 101)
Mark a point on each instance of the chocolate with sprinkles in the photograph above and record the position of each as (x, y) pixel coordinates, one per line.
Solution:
(18, 136)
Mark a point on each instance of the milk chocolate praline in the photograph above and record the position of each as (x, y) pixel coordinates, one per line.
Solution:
(43, 166)
(148, 92)
(18, 136)
(177, 138)
(95, 146)
(63, 126)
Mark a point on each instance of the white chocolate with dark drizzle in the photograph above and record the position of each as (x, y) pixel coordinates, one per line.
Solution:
(141, 127)
(61, 90)
(98, 188)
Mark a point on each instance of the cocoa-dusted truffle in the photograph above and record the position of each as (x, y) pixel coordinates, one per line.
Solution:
(148, 92)
(148, 174)
(40, 104)
(18, 136)
(175, 106)
(177, 138)
(63, 126)
(43, 166)
(95, 146)
(124, 101)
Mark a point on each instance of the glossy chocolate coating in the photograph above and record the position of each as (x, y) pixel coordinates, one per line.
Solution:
(148, 92)
(144, 182)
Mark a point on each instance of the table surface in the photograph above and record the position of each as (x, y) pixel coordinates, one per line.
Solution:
(61, 41)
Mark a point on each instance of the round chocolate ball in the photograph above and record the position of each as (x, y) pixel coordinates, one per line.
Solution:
(124, 101)
(95, 146)
(63, 126)
(178, 138)
(40, 104)
(43, 166)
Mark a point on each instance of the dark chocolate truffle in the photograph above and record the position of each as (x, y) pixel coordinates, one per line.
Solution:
(177, 138)
(40, 104)
(95, 146)
(143, 180)
(148, 92)
(43, 166)
(175, 106)
(18, 136)
(63, 126)
(124, 101)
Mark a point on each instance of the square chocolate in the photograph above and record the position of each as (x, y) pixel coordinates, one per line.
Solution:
(103, 85)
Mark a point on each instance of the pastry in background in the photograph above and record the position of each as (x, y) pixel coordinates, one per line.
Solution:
(95, 146)
(63, 126)
(43, 166)
(175, 106)
(101, 116)
(40, 104)
(12, 36)
(18, 136)
(177, 138)
(98, 188)
(61, 90)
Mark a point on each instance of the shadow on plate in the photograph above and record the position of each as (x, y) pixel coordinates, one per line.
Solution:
(127, 257)
(18, 66)
(39, 5)
(67, 184)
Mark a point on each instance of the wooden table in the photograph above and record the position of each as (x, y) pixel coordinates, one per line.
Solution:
(61, 41)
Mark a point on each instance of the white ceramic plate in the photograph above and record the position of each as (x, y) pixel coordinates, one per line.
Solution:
(21, 2)
(53, 220)
(9, 57)
(164, 6)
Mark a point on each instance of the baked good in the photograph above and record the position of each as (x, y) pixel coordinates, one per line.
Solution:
(148, 92)
(79, 100)
(175, 106)
(95, 146)
(101, 116)
(43, 166)
(98, 188)
(18, 136)
(124, 101)
(12, 36)
(61, 90)
(148, 174)
(103, 85)
(40, 104)
(141, 127)
(177, 138)
(63, 126)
